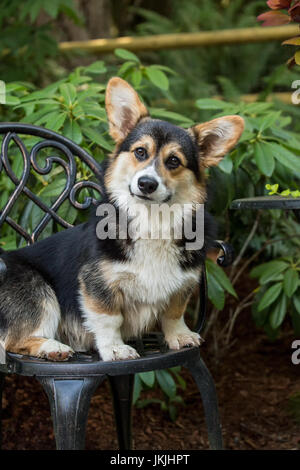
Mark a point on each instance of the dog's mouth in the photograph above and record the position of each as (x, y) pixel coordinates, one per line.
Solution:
(139, 196)
(146, 198)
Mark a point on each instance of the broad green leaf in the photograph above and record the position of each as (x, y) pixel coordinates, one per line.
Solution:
(162, 113)
(290, 282)
(125, 67)
(96, 67)
(270, 296)
(269, 120)
(157, 77)
(209, 103)
(94, 110)
(148, 378)
(55, 121)
(55, 188)
(97, 138)
(68, 212)
(270, 277)
(226, 164)
(68, 92)
(166, 382)
(136, 77)
(220, 276)
(126, 55)
(11, 100)
(264, 159)
(215, 292)
(278, 312)
(269, 268)
(72, 131)
(285, 157)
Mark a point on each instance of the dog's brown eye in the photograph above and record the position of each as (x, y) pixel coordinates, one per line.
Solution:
(141, 153)
(172, 162)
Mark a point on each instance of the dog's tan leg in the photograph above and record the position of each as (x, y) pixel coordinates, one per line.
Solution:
(40, 347)
(177, 334)
(105, 324)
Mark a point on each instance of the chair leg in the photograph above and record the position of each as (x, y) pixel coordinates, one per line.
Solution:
(122, 390)
(2, 379)
(208, 393)
(69, 402)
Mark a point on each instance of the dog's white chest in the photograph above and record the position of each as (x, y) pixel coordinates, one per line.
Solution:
(154, 272)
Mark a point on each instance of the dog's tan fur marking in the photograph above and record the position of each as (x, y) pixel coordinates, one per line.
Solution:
(29, 346)
(95, 304)
(177, 306)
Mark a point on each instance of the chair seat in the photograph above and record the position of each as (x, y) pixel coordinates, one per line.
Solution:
(152, 349)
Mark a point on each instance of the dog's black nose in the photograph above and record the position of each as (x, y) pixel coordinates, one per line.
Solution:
(147, 185)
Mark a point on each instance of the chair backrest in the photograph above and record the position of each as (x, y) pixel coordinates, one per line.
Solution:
(33, 155)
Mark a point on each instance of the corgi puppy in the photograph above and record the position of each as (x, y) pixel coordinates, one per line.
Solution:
(77, 291)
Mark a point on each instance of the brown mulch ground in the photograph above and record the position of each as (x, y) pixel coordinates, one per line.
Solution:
(254, 381)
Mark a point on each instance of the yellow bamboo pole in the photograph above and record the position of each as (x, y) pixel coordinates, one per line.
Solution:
(184, 40)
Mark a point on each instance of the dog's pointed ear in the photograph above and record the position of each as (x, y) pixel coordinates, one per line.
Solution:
(124, 108)
(215, 138)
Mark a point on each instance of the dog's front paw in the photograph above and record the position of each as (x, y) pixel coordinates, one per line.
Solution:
(184, 339)
(55, 351)
(118, 352)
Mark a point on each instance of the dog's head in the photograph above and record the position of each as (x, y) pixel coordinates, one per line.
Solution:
(158, 162)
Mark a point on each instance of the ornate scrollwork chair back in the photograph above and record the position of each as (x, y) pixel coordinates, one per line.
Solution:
(32, 155)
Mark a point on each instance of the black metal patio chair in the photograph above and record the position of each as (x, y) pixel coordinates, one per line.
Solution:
(70, 385)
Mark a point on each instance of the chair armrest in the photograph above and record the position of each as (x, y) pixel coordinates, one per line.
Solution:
(227, 258)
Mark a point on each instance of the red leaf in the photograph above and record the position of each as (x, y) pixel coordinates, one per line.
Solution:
(295, 12)
(279, 4)
(274, 18)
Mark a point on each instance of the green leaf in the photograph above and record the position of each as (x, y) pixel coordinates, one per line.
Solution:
(162, 113)
(278, 312)
(166, 382)
(126, 55)
(285, 157)
(270, 296)
(136, 77)
(97, 138)
(11, 100)
(220, 277)
(125, 67)
(148, 378)
(267, 269)
(215, 292)
(209, 103)
(290, 282)
(55, 121)
(269, 120)
(226, 164)
(72, 131)
(264, 159)
(55, 188)
(68, 92)
(96, 67)
(157, 77)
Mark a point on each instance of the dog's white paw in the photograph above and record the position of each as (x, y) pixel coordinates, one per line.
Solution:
(118, 352)
(55, 351)
(181, 340)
